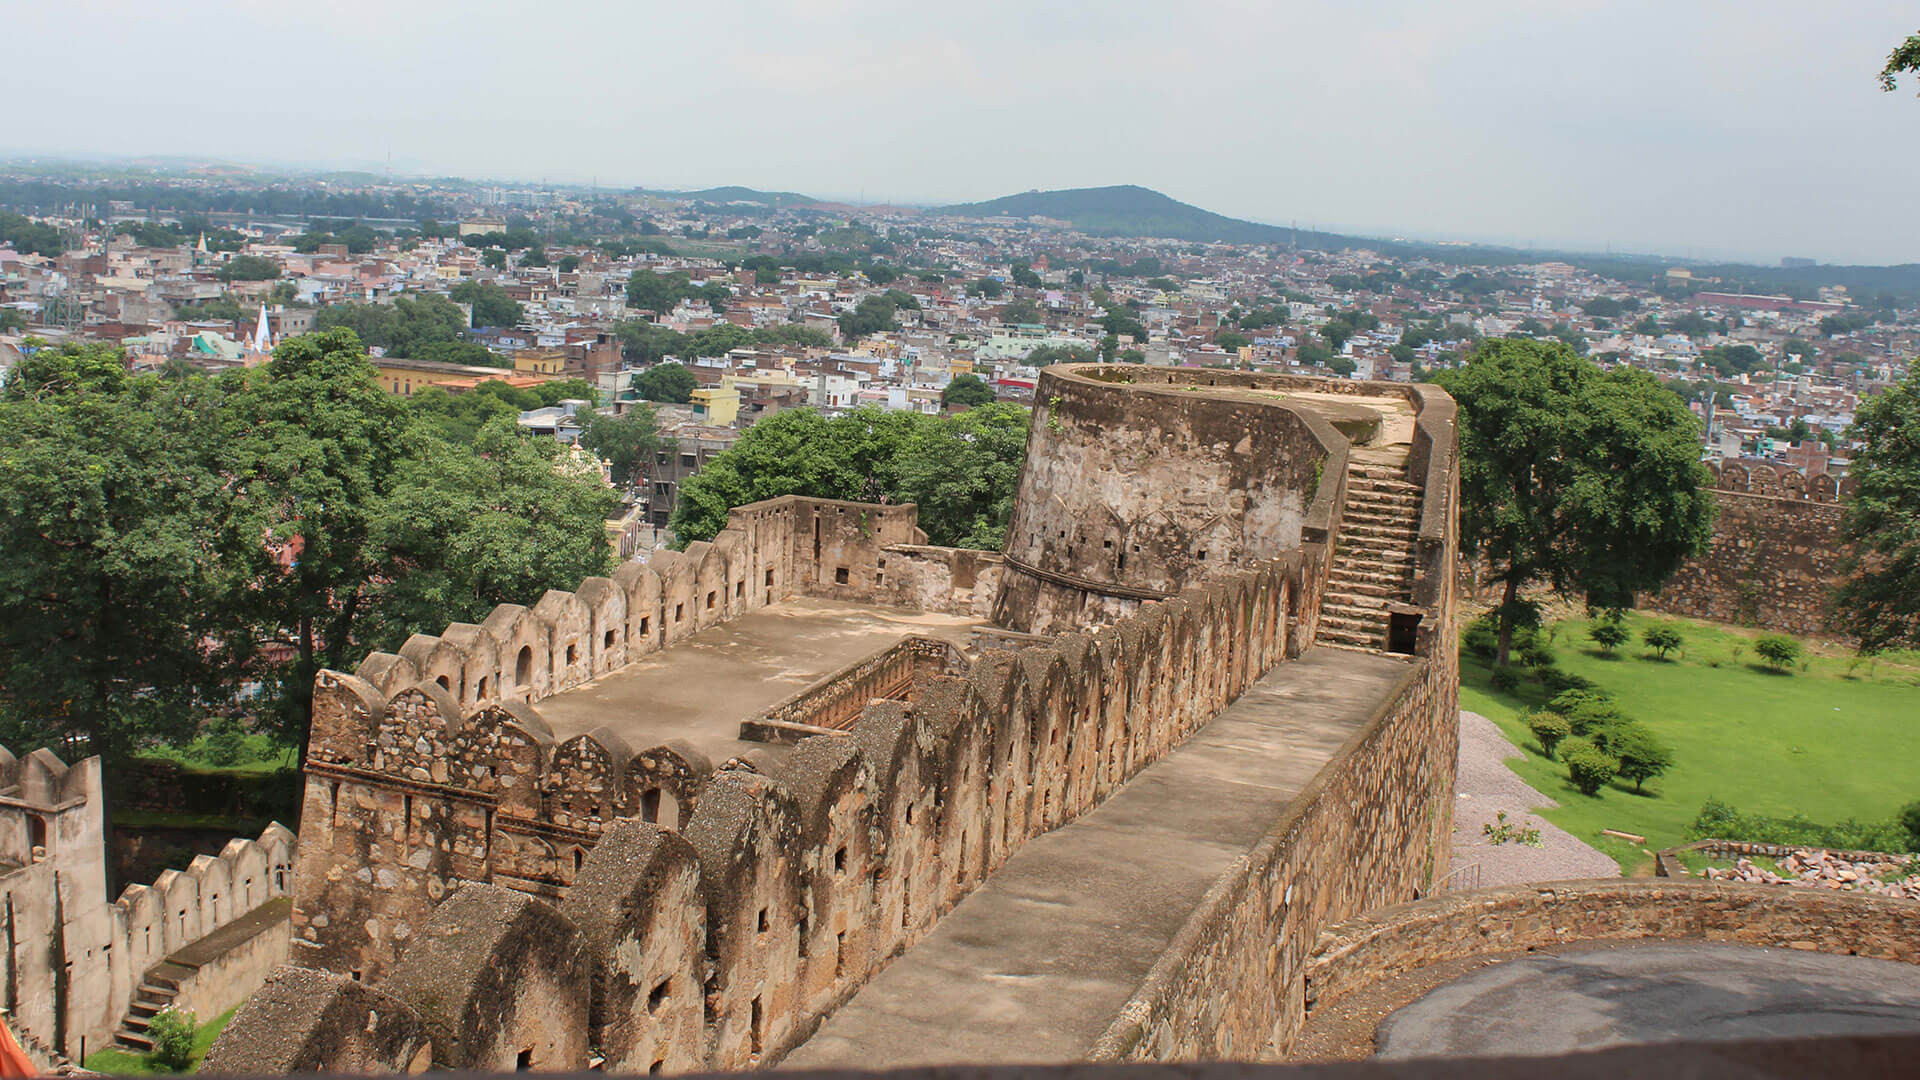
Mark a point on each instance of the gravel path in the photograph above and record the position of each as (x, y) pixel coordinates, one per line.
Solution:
(1485, 787)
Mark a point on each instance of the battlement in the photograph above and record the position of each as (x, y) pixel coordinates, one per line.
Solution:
(1780, 482)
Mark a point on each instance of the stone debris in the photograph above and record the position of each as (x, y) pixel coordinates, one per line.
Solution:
(1882, 875)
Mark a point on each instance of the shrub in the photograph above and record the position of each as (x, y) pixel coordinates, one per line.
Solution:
(1480, 638)
(1590, 767)
(1608, 634)
(172, 1035)
(1548, 729)
(1536, 654)
(1662, 639)
(1505, 679)
(1642, 755)
(1718, 821)
(1909, 819)
(1559, 682)
(1776, 651)
(1568, 700)
(225, 742)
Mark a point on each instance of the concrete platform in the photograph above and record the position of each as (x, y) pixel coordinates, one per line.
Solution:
(700, 688)
(1035, 964)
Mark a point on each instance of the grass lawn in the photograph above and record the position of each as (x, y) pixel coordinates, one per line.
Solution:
(1825, 742)
(127, 1063)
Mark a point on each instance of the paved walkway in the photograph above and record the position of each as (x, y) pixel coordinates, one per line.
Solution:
(701, 688)
(1035, 964)
(1484, 787)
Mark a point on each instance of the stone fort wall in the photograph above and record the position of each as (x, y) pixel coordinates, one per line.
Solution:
(721, 943)
(1775, 556)
(72, 958)
(493, 900)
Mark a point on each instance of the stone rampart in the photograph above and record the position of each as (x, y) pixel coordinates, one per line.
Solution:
(1775, 556)
(72, 959)
(1453, 926)
(835, 702)
(781, 893)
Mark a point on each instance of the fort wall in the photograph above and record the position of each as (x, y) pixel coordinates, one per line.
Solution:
(785, 891)
(72, 959)
(1776, 553)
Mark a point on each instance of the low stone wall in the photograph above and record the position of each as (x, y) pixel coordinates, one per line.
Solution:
(227, 966)
(835, 702)
(1455, 926)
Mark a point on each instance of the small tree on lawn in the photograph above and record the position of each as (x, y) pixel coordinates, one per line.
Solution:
(1589, 768)
(1662, 639)
(1776, 651)
(1548, 728)
(1642, 755)
(172, 1035)
(1608, 634)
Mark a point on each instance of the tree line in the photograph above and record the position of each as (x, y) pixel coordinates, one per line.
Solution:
(181, 545)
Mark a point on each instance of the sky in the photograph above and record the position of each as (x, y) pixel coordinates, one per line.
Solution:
(1749, 129)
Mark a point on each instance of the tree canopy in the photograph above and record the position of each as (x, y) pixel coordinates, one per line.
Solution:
(399, 328)
(626, 441)
(1587, 482)
(668, 382)
(175, 538)
(961, 469)
(967, 389)
(1879, 603)
(491, 304)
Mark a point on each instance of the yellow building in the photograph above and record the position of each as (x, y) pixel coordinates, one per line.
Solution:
(718, 406)
(409, 377)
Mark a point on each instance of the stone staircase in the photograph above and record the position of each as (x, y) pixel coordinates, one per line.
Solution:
(1373, 558)
(152, 997)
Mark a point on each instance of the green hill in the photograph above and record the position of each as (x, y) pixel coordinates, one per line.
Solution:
(736, 194)
(1131, 210)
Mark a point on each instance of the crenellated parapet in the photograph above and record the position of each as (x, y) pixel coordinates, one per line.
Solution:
(720, 942)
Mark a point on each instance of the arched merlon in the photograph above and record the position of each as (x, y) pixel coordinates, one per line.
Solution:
(1453, 926)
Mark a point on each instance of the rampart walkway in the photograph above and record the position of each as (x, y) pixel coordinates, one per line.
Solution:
(701, 688)
(1034, 965)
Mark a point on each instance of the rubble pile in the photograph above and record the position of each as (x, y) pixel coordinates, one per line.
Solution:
(1882, 875)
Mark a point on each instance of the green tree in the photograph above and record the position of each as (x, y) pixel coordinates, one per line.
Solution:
(668, 382)
(1549, 729)
(963, 471)
(11, 321)
(872, 315)
(491, 304)
(1878, 604)
(967, 389)
(1641, 754)
(1589, 768)
(1042, 355)
(1023, 275)
(494, 258)
(1230, 341)
(1586, 481)
(627, 442)
(1609, 634)
(471, 353)
(648, 291)
(120, 588)
(399, 328)
(1021, 312)
(1904, 58)
(1662, 639)
(1777, 651)
(989, 288)
(171, 1032)
(249, 268)
(643, 342)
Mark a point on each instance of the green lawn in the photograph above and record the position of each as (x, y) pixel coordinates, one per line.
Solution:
(126, 1063)
(1824, 742)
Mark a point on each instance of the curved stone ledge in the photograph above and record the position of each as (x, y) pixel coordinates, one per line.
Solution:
(1454, 926)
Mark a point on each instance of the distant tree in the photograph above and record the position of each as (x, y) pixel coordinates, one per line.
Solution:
(668, 382)
(1042, 355)
(967, 389)
(643, 342)
(1549, 729)
(1778, 652)
(491, 304)
(1230, 341)
(1131, 356)
(1342, 365)
(1021, 312)
(1583, 480)
(1799, 347)
(1024, 276)
(249, 268)
(11, 321)
(470, 353)
(985, 287)
(872, 315)
(627, 442)
(1589, 768)
(401, 327)
(568, 263)
(1608, 634)
(1662, 639)
(962, 472)
(1641, 754)
(1878, 604)
(648, 291)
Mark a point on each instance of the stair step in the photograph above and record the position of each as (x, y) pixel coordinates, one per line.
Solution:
(1340, 588)
(133, 1041)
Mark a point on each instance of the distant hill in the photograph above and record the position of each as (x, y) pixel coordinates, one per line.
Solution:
(1131, 210)
(736, 194)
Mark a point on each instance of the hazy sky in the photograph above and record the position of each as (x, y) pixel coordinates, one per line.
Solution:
(1691, 127)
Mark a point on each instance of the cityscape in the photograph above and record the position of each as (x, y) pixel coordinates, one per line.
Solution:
(875, 542)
